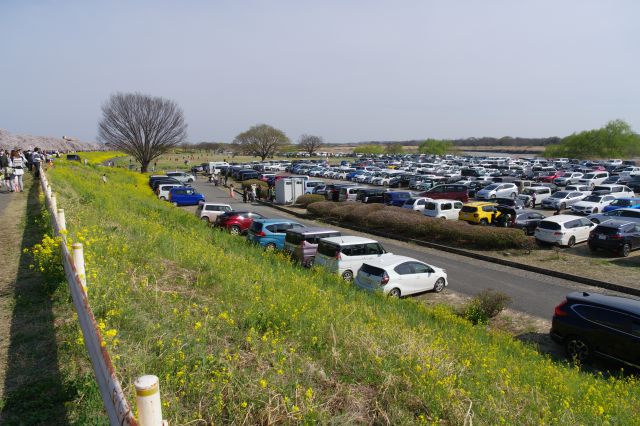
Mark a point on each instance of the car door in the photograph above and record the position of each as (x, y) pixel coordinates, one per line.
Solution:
(635, 236)
(612, 331)
(445, 209)
(582, 229)
(422, 277)
(404, 279)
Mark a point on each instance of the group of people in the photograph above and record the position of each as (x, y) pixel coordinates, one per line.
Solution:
(13, 164)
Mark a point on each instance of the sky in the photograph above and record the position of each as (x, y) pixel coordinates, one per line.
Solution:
(346, 70)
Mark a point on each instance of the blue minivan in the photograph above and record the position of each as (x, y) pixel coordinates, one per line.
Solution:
(270, 233)
(185, 196)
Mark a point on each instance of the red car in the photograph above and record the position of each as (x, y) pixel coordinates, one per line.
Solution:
(237, 222)
(550, 177)
(450, 191)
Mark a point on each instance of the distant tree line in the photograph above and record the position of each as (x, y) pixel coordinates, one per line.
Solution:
(614, 140)
(482, 141)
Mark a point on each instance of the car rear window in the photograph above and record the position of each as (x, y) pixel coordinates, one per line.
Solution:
(327, 249)
(552, 226)
(606, 230)
(293, 238)
(468, 209)
(372, 270)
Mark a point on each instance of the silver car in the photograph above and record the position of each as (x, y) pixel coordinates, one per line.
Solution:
(498, 190)
(568, 179)
(562, 199)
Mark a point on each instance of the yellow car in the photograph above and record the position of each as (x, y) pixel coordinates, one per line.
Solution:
(479, 212)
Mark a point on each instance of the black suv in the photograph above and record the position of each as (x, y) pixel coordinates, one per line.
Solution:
(590, 324)
(616, 235)
(634, 184)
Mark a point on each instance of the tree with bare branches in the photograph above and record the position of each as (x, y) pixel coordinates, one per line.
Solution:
(261, 141)
(310, 143)
(142, 126)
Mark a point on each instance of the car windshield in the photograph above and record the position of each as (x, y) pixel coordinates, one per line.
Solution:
(589, 176)
(593, 199)
(491, 187)
(560, 194)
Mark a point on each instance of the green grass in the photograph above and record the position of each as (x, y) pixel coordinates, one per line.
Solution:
(237, 334)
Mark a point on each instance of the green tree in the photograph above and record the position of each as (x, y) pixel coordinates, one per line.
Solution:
(261, 141)
(369, 149)
(435, 147)
(615, 139)
(394, 148)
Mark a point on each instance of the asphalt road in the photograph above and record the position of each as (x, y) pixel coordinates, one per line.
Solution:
(531, 293)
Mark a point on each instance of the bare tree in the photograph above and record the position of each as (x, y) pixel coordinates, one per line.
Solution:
(142, 126)
(261, 141)
(310, 143)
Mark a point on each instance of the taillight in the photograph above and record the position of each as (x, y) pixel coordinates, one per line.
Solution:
(261, 234)
(338, 257)
(559, 310)
(385, 279)
(615, 237)
(558, 233)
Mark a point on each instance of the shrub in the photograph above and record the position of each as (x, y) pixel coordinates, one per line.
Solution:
(305, 200)
(485, 305)
(321, 208)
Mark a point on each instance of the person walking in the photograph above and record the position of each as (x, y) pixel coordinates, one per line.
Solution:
(533, 200)
(5, 169)
(36, 159)
(18, 164)
(231, 194)
(244, 194)
(226, 178)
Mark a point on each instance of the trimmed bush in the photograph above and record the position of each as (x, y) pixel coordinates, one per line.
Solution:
(321, 208)
(485, 305)
(305, 200)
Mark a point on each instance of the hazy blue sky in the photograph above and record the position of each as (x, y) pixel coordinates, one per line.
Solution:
(344, 70)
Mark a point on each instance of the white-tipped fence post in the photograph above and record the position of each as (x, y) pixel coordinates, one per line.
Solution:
(53, 203)
(48, 191)
(148, 401)
(78, 262)
(62, 222)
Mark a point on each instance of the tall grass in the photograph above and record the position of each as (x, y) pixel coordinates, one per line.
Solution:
(237, 334)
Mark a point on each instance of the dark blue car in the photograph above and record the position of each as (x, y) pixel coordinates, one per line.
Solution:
(185, 196)
(396, 198)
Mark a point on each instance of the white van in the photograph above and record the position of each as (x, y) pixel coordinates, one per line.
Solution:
(594, 178)
(443, 209)
(163, 190)
(311, 184)
(564, 230)
(345, 255)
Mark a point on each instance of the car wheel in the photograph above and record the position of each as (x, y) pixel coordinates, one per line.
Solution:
(493, 196)
(625, 250)
(234, 230)
(175, 204)
(347, 275)
(309, 263)
(593, 248)
(513, 195)
(526, 231)
(577, 349)
(439, 285)
(563, 206)
(484, 222)
(596, 221)
(163, 198)
(205, 219)
(270, 247)
(395, 292)
(572, 242)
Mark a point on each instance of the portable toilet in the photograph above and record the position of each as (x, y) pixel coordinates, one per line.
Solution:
(288, 190)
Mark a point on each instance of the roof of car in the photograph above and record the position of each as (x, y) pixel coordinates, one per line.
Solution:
(561, 218)
(312, 230)
(275, 220)
(623, 303)
(348, 239)
(390, 260)
(480, 204)
(216, 204)
(615, 223)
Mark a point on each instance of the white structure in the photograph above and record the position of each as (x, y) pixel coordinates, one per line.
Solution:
(288, 190)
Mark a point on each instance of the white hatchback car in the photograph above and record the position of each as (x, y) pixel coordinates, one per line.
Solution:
(400, 276)
(209, 212)
(163, 190)
(182, 176)
(345, 255)
(443, 209)
(416, 203)
(498, 190)
(564, 230)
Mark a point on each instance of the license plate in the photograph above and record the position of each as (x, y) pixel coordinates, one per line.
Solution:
(602, 237)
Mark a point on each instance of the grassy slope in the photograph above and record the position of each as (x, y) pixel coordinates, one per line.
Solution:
(238, 334)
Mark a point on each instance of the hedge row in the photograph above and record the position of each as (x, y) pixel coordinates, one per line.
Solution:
(412, 224)
(305, 200)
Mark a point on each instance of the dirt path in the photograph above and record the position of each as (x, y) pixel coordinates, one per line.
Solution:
(31, 388)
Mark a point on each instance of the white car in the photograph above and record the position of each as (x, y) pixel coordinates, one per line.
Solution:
(345, 255)
(586, 190)
(182, 176)
(630, 172)
(210, 211)
(564, 230)
(498, 190)
(618, 191)
(592, 204)
(542, 193)
(163, 190)
(400, 276)
(416, 203)
(443, 209)
(594, 178)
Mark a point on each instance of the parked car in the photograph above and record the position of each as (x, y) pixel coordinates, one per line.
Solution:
(622, 203)
(400, 276)
(311, 185)
(270, 233)
(164, 181)
(592, 204)
(163, 190)
(443, 209)
(550, 176)
(626, 213)
(370, 195)
(541, 192)
(448, 192)
(591, 324)
(629, 172)
(620, 236)
(185, 196)
(562, 199)
(345, 255)
(302, 243)
(568, 179)
(515, 203)
(594, 178)
(209, 212)
(348, 193)
(527, 220)
(396, 198)
(416, 203)
(563, 230)
(618, 191)
(479, 212)
(586, 190)
(498, 190)
(182, 176)
(634, 184)
(247, 175)
(237, 222)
